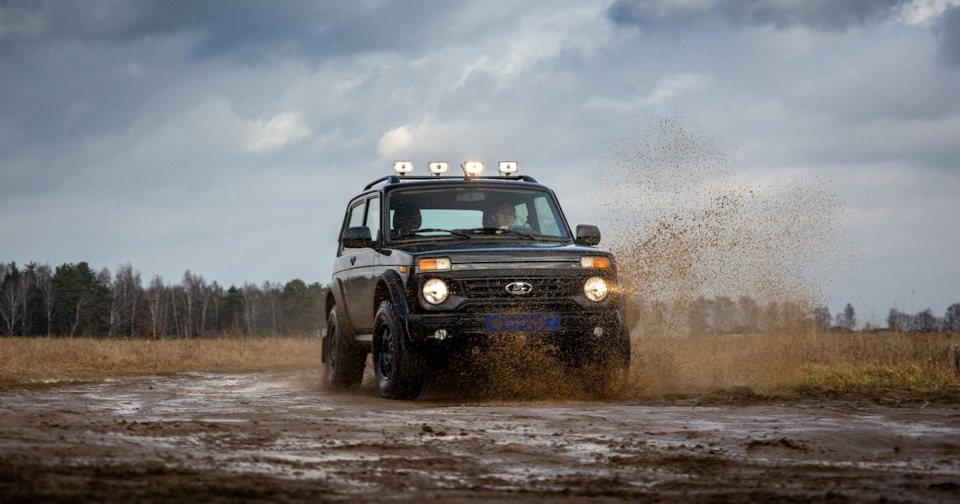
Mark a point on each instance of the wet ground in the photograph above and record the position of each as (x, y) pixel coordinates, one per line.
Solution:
(280, 437)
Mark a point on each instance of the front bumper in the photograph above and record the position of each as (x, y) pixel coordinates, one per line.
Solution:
(577, 331)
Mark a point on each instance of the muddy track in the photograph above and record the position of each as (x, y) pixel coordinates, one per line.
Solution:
(279, 437)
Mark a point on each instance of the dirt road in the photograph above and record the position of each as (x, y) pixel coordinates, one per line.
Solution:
(280, 437)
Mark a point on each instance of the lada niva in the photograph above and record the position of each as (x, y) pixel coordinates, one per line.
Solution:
(431, 268)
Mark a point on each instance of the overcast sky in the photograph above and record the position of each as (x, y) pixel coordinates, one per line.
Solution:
(225, 137)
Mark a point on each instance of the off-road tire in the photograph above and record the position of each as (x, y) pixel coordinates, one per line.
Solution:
(343, 361)
(398, 369)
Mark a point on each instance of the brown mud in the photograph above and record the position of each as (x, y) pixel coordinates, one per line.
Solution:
(686, 222)
(282, 438)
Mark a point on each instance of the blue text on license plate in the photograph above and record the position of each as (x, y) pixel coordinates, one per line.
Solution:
(527, 322)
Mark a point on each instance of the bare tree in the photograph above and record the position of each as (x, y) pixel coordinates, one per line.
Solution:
(13, 297)
(213, 295)
(271, 294)
(822, 319)
(951, 319)
(193, 304)
(126, 293)
(156, 298)
(750, 314)
(847, 319)
(47, 294)
(174, 296)
(251, 306)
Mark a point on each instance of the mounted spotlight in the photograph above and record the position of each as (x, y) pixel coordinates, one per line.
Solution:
(438, 167)
(508, 167)
(403, 167)
(472, 168)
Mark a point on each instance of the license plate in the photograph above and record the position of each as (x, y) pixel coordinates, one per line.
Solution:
(528, 322)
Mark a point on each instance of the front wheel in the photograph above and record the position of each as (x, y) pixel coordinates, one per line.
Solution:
(343, 362)
(398, 369)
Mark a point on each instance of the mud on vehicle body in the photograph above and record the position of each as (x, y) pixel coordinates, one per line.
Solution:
(430, 269)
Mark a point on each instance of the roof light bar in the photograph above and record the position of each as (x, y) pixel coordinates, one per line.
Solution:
(507, 167)
(438, 167)
(472, 168)
(403, 167)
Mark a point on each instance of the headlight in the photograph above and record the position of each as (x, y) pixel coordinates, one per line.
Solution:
(435, 291)
(595, 288)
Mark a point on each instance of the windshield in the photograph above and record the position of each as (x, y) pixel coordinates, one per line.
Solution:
(471, 212)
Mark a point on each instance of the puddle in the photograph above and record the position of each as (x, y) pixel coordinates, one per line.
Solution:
(362, 445)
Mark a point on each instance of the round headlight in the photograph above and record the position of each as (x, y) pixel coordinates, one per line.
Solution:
(595, 289)
(435, 291)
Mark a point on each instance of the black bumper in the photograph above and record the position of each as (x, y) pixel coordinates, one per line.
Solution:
(577, 332)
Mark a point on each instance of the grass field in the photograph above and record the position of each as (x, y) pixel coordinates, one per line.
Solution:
(871, 366)
(26, 361)
(880, 367)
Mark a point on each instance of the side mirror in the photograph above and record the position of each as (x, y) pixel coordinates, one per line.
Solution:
(588, 235)
(356, 237)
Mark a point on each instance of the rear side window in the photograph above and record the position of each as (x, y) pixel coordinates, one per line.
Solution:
(373, 216)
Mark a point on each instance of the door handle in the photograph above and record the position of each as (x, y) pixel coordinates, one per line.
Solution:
(353, 260)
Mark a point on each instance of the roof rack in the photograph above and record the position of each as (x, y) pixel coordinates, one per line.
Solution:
(390, 179)
(393, 179)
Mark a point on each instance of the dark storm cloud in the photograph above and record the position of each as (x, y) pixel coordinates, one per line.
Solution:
(824, 15)
(245, 29)
(94, 66)
(948, 33)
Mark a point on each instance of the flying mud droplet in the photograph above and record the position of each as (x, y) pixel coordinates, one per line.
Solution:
(706, 248)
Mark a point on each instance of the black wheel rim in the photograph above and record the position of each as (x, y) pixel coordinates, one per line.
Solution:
(330, 353)
(385, 355)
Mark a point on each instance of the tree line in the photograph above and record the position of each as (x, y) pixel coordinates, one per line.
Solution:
(74, 300)
(745, 315)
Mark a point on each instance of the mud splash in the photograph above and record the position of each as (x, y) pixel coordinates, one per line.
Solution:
(708, 248)
(707, 251)
(687, 225)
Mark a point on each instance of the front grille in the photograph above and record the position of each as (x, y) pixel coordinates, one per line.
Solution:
(496, 288)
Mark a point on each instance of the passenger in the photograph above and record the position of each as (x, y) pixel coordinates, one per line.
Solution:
(406, 220)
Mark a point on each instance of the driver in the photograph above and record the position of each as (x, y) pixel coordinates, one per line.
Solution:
(503, 216)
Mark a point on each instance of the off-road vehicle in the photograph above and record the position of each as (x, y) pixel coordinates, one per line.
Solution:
(432, 268)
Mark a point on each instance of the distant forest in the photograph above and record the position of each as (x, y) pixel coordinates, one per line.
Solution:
(75, 300)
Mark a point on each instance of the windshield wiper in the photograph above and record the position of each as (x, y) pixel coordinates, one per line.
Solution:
(501, 231)
(431, 230)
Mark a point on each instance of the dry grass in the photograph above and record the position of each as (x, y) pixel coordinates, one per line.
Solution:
(851, 366)
(878, 367)
(25, 361)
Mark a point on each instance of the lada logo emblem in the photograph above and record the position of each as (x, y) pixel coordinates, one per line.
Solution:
(519, 288)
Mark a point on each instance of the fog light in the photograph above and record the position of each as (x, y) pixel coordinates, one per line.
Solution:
(598, 331)
(440, 334)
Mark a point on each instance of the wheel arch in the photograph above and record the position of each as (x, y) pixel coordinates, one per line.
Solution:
(390, 288)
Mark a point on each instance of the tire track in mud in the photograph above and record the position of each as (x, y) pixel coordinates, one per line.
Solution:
(270, 432)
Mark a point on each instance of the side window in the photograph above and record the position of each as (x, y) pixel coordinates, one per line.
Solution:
(354, 218)
(373, 216)
(356, 215)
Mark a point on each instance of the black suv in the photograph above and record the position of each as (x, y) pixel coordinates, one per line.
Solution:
(431, 268)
